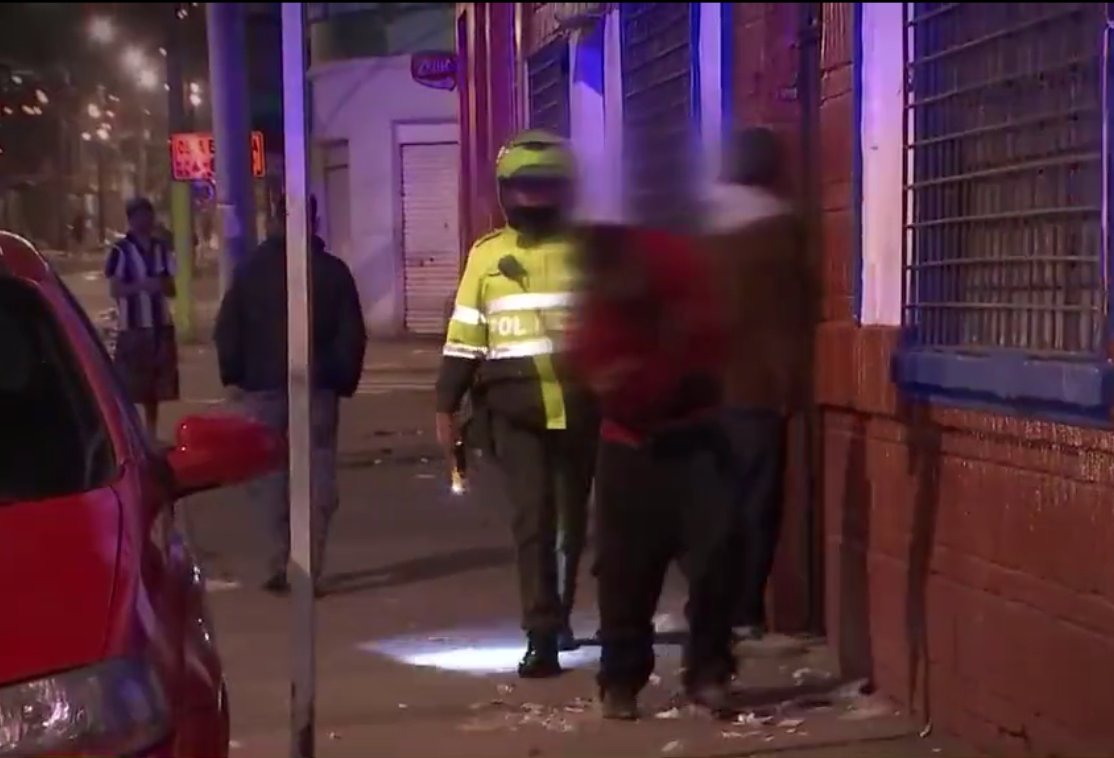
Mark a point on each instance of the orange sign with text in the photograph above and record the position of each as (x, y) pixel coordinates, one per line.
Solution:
(191, 156)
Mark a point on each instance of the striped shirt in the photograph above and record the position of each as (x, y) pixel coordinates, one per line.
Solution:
(129, 262)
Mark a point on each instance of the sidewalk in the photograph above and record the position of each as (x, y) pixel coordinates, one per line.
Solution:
(417, 638)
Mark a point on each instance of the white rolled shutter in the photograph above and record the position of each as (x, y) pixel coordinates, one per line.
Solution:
(431, 258)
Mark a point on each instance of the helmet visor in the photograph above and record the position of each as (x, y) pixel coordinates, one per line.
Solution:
(535, 191)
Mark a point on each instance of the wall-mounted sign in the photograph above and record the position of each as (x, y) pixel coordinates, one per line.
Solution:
(434, 69)
(191, 156)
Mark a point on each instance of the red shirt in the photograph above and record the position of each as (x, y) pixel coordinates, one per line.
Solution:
(664, 360)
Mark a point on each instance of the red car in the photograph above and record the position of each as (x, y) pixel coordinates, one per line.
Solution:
(106, 648)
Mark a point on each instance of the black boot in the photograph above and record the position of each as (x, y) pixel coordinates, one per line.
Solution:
(619, 704)
(713, 697)
(541, 660)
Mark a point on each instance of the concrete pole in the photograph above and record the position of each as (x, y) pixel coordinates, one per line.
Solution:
(228, 86)
(181, 204)
(299, 380)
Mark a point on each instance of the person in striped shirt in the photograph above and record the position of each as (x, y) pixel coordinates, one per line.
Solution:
(140, 272)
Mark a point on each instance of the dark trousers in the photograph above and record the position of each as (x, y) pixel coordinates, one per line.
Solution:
(271, 491)
(548, 476)
(654, 503)
(758, 446)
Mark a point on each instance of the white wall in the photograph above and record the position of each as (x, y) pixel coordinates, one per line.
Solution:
(596, 116)
(881, 138)
(710, 57)
(362, 101)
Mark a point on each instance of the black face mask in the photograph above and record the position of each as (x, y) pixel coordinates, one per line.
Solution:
(536, 221)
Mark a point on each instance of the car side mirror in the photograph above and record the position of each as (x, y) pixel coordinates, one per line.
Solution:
(214, 451)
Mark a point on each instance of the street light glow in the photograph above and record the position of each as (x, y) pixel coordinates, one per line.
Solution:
(16, 79)
(162, 51)
(86, 136)
(41, 97)
(195, 87)
(133, 58)
(195, 100)
(94, 110)
(102, 30)
(29, 110)
(102, 134)
(110, 114)
(8, 110)
(148, 79)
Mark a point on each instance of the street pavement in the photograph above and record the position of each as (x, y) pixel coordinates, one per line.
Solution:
(417, 636)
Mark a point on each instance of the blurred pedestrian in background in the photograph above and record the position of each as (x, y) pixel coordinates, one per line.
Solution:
(648, 337)
(140, 270)
(756, 240)
(251, 344)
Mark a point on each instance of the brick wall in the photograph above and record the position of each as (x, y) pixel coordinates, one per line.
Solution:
(969, 557)
(487, 49)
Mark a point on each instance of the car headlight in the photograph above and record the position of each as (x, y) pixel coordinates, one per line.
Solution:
(113, 708)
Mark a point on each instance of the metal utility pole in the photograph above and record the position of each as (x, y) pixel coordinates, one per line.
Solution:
(181, 202)
(228, 84)
(102, 232)
(299, 379)
(141, 153)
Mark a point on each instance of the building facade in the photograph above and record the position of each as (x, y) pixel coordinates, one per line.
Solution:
(385, 164)
(950, 511)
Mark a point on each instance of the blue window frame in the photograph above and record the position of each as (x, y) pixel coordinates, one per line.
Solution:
(1005, 286)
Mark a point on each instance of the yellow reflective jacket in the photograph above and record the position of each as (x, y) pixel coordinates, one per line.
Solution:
(507, 324)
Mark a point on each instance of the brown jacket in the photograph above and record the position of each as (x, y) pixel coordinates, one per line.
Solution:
(757, 244)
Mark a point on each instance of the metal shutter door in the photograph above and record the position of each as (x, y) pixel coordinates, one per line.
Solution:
(431, 258)
(547, 72)
(659, 112)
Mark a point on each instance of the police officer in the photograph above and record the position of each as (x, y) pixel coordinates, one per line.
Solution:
(503, 346)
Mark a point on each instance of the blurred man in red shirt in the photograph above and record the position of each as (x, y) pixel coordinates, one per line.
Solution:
(648, 337)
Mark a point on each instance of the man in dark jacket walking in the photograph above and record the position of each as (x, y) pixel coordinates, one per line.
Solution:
(252, 351)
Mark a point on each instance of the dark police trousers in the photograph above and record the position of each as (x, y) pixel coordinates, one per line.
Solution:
(758, 446)
(666, 500)
(548, 478)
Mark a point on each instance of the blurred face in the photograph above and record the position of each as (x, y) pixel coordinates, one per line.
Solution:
(609, 269)
(142, 222)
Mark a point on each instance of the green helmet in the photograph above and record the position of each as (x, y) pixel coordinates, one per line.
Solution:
(534, 154)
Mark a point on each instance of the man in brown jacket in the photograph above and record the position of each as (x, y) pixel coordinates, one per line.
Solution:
(756, 238)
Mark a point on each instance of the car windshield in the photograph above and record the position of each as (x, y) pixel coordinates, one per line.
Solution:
(53, 440)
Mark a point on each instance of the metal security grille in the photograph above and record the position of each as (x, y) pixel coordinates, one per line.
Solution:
(548, 84)
(659, 129)
(1004, 184)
